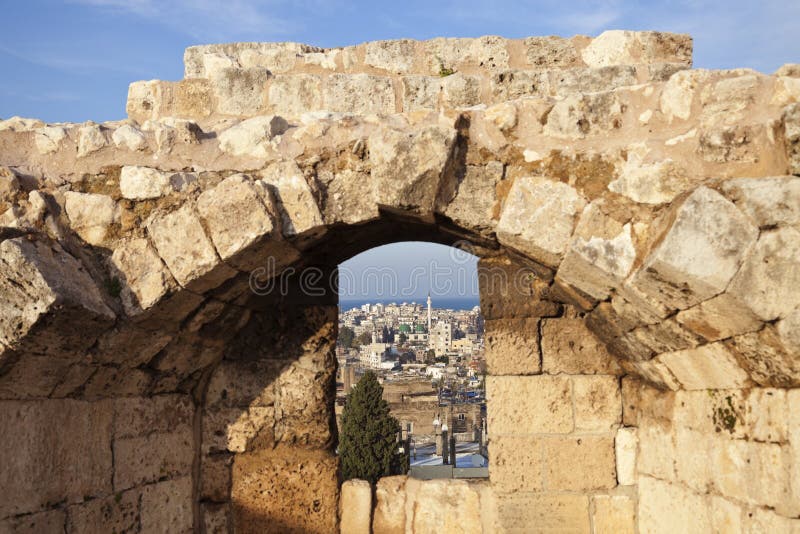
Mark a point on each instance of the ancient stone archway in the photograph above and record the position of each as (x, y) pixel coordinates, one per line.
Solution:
(144, 384)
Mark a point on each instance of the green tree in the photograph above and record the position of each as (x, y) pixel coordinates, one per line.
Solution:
(402, 338)
(365, 338)
(430, 356)
(368, 446)
(346, 337)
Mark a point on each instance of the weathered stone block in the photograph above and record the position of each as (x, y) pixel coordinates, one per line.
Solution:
(569, 347)
(550, 52)
(768, 356)
(696, 259)
(726, 516)
(656, 455)
(118, 513)
(447, 506)
(390, 508)
(461, 91)
(161, 413)
(626, 443)
(167, 506)
(614, 513)
(773, 201)
(769, 281)
(251, 137)
(598, 403)
(512, 346)
(236, 429)
(50, 303)
(575, 463)
(151, 458)
(719, 318)
(556, 513)
(294, 94)
(513, 84)
(577, 116)
(396, 56)
(421, 92)
(407, 168)
(297, 206)
(706, 367)
(239, 91)
(516, 464)
(359, 93)
(50, 521)
(143, 277)
(525, 405)
(287, 489)
(512, 289)
(582, 80)
(90, 215)
(238, 221)
(189, 254)
(475, 198)
(667, 508)
(355, 507)
(67, 437)
(532, 203)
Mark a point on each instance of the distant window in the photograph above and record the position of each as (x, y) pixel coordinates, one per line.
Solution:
(462, 417)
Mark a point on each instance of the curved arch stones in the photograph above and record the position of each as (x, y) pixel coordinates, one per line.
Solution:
(145, 386)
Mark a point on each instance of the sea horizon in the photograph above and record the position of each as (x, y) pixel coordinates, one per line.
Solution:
(451, 303)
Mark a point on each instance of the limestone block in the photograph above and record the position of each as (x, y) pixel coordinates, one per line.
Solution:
(90, 140)
(729, 459)
(243, 384)
(678, 94)
(239, 91)
(516, 464)
(763, 520)
(237, 221)
(476, 197)
(216, 518)
(111, 381)
(150, 458)
(773, 201)
(161, 413)
(407, 168)
(550, 52)
(726, 516)
(390, 509)
(118, 513)
(691, 459)
(251, 137)
(569, 347)
(696, 258)
(287, 488)
(625, 445)
(769, 356)
(461, 91)
(656, 455)
(450, 54)
(420, 92)
(667, 508)
(300, 212)
(513, 84)
(50, 303)
(614, 513)
(90, 215)
(142, 183)
(576, 116)
(293, 94)
(447, 506)
(215, 477)
(130, 137)
(592, 80)
(597, 264)
(67, 437)
(709, 366)
(525, 405)
(598, 404)
(167, 506)
(355, 507)
(792, 398)
(20, 124)
(767, 417)
(50, 521)
(235, 429)
(769, 281)
(359, 93)
(646, 182)
(143, 277)
(579, 463)
(512, 346)
(534, 202)
(396, 56)
(549, 512)
(189, 254)
(9, 185)
(617, 47)
(48, 139)
(719, 318)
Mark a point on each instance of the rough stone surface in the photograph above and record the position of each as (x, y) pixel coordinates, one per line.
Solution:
(90, 215)
(355, 507)
(525, 405)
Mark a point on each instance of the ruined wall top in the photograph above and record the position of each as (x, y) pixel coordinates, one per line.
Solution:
(245, 79)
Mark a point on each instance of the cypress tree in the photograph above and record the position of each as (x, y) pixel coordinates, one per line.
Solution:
(368, 446)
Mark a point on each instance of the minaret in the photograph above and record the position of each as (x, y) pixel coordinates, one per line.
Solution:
(429, 314)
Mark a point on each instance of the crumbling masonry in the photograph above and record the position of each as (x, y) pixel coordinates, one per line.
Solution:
(643, 369)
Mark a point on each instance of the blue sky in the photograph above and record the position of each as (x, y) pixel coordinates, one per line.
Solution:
(73, 60)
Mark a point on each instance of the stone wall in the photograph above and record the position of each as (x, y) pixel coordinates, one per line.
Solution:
(167, 315)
